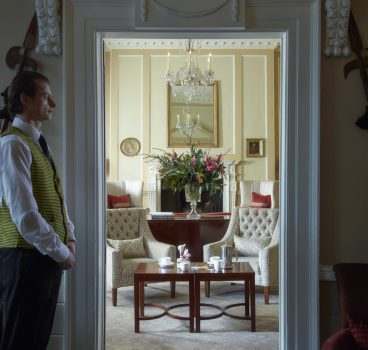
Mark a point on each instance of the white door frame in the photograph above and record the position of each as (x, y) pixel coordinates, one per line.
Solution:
(296, 22)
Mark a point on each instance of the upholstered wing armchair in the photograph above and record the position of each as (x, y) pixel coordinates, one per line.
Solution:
(130, 242)
(255, 234)
(352, 287)
(262, 187)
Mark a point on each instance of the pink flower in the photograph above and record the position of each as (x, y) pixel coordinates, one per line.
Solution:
(186, 254)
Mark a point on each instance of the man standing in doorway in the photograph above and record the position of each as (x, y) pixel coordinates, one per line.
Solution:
(36, 236)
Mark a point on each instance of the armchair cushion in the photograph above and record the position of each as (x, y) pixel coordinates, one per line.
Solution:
(130, 248)
(260, 201)
(124, 201)
(262, 187)
(359, 330)
(249, 246)
(122, 187)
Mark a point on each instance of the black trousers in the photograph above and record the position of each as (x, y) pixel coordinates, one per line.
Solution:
(29, 288)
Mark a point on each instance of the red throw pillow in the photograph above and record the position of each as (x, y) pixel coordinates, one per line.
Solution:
(260, 201)
(359, 330)
(119, 201)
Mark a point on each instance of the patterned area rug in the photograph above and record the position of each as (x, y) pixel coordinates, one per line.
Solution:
(166, 333)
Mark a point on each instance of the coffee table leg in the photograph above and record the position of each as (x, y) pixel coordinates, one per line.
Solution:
(252, 305)
(136, 305)
(197, 285)
(141, 299)
(207, 289)
(246, 297)
(191, 305)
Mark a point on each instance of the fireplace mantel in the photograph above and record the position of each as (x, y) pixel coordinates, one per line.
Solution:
(228, 195)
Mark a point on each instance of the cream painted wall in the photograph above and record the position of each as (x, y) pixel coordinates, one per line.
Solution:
(245, 98)
(129, 121)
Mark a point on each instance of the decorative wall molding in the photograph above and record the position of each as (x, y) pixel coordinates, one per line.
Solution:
(48, 20)
(190, 14)
(143, 10)
(337, 20)
(179, 44)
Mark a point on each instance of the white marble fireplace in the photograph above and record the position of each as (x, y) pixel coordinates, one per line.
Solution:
(228, 195)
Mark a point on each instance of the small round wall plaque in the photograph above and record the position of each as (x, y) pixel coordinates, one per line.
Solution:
(130, 147)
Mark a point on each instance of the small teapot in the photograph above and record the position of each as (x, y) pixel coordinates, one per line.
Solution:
(227, 251)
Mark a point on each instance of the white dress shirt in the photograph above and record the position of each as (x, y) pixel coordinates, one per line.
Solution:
(16, 189)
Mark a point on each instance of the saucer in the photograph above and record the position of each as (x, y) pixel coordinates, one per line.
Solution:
(166, 266)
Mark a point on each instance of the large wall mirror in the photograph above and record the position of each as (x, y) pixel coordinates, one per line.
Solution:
(193, 122)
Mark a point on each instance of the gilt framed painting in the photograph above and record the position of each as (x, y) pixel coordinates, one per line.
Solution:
(255, 147)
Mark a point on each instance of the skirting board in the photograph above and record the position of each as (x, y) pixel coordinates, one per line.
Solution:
(326, 273)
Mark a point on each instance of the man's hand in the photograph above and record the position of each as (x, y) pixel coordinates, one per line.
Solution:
(70, 261)
(71, 246)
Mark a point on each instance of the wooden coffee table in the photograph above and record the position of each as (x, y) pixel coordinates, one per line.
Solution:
(241, 271)
(151, 272)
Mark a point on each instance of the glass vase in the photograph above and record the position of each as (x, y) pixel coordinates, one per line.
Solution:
(193, 195)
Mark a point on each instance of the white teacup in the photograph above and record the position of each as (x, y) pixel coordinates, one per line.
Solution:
(217, 264)
(184, 266)
(166, 260)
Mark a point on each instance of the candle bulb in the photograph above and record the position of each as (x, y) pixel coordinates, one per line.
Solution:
(209, 61)
(189, 58)
(198, 119)
(178, 118)
(168, 61)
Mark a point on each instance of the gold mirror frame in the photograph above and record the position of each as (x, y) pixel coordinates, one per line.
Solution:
(207, 136)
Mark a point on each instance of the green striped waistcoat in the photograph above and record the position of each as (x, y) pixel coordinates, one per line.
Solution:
(48, 193)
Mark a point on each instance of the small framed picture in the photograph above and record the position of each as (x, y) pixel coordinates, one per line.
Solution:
(255, 148)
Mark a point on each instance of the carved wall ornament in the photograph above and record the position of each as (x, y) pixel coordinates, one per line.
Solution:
(337, 20)
(190, 14)
(48, 27)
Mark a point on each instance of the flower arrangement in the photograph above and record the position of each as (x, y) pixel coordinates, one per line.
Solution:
(196, 168)
(184, 252)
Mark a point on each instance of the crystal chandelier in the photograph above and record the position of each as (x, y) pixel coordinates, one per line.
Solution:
(189, 76)
(188, 123)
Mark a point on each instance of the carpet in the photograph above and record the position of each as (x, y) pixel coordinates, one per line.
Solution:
(166, 333)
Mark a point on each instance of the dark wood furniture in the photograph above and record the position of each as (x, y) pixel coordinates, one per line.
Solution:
(151, 272)
(194, 233)
(241, 271)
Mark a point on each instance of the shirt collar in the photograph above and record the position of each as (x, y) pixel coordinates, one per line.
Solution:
(27, 128)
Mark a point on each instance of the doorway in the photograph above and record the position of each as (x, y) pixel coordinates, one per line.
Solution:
(297, 24)
(135, 86)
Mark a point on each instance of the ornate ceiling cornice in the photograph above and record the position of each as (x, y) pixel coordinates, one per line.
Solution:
(212, 44)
